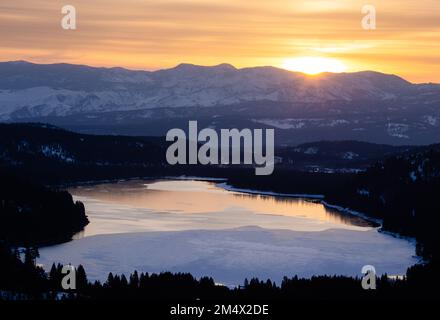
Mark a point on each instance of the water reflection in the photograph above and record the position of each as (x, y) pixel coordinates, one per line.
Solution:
(310, 206)
(175, 205)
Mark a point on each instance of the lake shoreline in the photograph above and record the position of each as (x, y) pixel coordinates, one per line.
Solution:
(320, 198)
(223, 183)
(230, 246)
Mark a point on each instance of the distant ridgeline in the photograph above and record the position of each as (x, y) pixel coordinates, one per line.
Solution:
(31, 214)
(53, 155)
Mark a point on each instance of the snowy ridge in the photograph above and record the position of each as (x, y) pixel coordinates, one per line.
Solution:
(31, 90)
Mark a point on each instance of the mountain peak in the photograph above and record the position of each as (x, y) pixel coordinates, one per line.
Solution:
(18, 62)
(189, 66)
(225, 66)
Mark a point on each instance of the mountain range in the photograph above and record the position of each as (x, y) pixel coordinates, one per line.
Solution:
(367, 106)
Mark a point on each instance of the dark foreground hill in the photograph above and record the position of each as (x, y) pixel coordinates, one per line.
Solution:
(33, 214)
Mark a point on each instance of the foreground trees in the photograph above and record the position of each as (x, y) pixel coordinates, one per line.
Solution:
(23, 279)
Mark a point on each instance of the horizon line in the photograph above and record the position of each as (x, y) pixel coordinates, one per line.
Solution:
(213, 66)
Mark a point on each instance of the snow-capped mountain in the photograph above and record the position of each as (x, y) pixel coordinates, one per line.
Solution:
(76, 95)
(60, 89)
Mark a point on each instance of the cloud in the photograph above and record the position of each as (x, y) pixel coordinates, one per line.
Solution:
(163, 33)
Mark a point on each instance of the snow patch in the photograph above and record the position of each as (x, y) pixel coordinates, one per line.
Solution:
(398, 130)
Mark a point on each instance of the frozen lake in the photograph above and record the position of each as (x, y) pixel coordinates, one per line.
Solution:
(198, 227)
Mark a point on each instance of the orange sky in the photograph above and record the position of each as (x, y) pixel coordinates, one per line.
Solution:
(153, 34)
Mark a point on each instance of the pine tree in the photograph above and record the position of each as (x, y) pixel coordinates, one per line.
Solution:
(30, 256)
(81, 278)
(124, 282)
(110, 280)
(134, 280)
(54, 277)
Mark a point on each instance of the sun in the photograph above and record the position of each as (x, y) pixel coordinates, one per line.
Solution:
(314, 65)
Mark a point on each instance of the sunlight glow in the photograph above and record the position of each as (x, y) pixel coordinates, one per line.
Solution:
(314, 65)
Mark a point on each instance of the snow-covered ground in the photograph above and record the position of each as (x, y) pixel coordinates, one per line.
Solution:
(232, 255)
(198, 227)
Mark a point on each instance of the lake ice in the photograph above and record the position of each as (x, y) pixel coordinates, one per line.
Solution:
(197, 227)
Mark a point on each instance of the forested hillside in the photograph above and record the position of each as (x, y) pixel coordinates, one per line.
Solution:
(404, 191)
(50, 154)
(33, 214)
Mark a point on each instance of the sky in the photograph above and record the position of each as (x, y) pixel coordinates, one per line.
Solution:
(157, 34)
